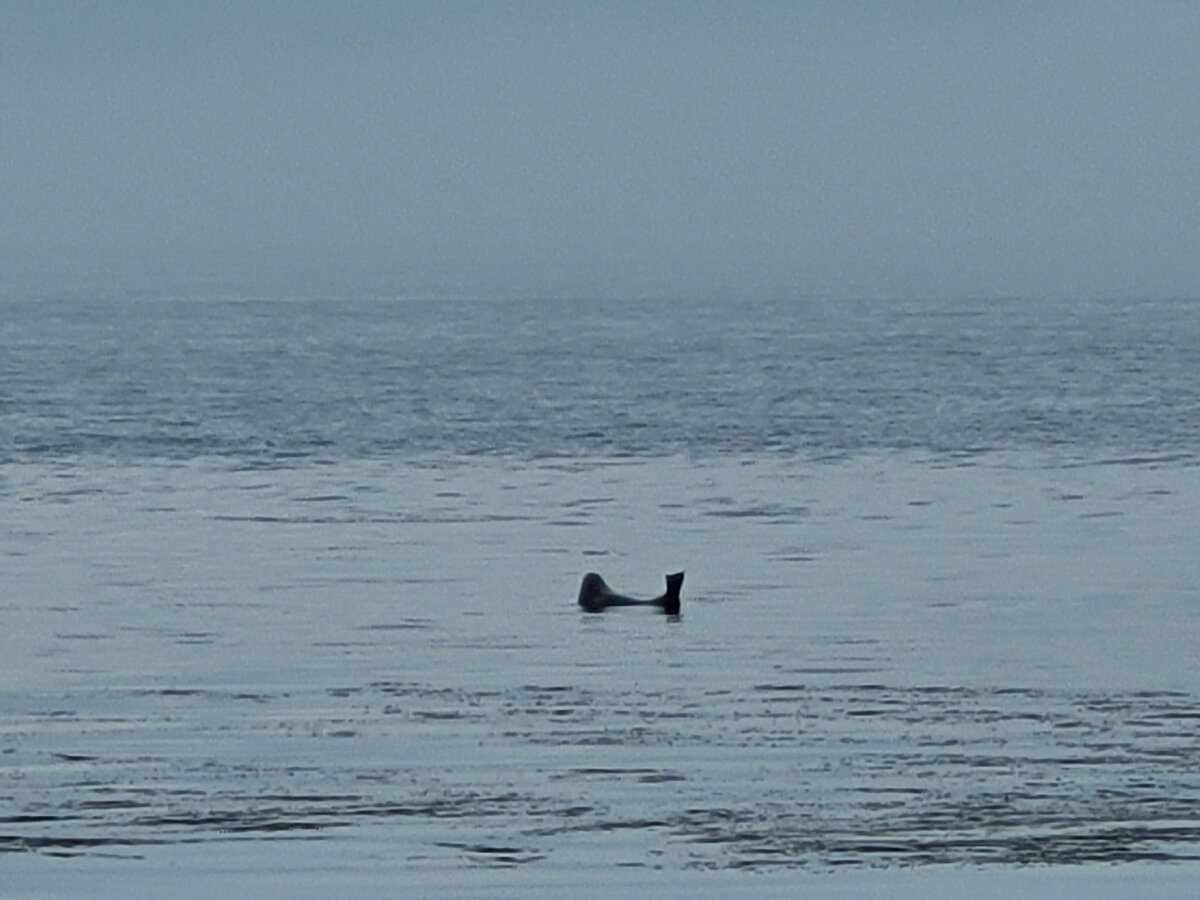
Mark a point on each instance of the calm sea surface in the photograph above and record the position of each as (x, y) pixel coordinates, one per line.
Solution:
(287, 589)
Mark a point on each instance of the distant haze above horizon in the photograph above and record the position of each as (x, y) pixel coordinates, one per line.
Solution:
(657, 148)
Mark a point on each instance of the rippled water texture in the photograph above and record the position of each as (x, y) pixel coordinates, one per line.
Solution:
(290, 596)
(273, 381)
(878, 664)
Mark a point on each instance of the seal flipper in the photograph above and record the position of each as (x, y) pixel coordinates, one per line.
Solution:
(596, 596)
(670, 600)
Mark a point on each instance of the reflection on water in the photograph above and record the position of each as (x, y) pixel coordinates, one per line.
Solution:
(881, 663)
(816, 772)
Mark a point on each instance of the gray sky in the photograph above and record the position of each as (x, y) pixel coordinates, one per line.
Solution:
(661, 147)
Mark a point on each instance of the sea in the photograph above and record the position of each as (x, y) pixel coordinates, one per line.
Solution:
(288, 595)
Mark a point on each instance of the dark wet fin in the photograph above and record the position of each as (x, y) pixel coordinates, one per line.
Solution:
(670, 600)
(593, 593)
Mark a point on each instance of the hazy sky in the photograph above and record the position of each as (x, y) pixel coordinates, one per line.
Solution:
(667, 147)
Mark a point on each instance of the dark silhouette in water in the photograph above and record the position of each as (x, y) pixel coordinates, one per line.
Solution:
(596, 596)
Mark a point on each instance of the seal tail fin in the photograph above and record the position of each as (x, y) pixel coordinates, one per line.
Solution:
(670, 600)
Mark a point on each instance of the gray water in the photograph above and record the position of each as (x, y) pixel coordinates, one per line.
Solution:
(265, 382)
(288, 587)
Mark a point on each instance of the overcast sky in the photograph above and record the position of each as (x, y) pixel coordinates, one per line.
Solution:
(668, 147)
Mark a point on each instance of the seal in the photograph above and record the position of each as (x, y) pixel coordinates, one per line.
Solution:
(596, 596)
